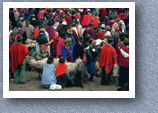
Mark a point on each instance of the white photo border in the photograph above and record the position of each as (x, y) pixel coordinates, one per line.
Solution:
(68, 94)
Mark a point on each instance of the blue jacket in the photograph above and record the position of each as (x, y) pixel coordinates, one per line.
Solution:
(49, 74)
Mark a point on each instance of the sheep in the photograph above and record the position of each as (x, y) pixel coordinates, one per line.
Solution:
(56, 61)
(28, 59)
(28, 41)
(30, 45)
(72, 66)
(33, 63)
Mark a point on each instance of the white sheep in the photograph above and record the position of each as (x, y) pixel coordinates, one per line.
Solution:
(72, 66)
(33, 63)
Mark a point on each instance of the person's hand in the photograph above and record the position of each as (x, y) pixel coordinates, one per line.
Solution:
(85, 49)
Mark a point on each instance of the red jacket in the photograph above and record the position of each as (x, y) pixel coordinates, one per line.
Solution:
(108, 57)
(122, 60)
(18, 53)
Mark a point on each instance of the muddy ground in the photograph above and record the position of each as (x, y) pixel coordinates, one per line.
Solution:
(34, 84)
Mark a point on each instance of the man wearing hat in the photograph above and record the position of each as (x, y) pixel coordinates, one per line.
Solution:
(29, 29)
(69, 35)
(108, 58)
(89, 31)
(78, 49)
(67, 50)
(91, 55)
(49, 73)
(18, 53)
(124, 66)
(115, 36)
(101, 33)
(108, 32)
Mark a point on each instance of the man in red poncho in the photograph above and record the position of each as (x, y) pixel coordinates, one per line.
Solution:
(108, 58)
(18, 53)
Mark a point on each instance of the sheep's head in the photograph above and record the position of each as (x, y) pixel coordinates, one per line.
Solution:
(78, 61)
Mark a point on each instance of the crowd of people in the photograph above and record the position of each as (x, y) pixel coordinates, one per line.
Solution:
(71, 33)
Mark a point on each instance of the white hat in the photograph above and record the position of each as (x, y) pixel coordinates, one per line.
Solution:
(88, 9)
(102, 26)
(108, 33)
(64, 23)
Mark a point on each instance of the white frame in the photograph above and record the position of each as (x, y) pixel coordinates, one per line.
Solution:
(68, 94)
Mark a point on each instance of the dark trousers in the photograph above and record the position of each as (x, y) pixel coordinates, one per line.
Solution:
(105, 78)
(62, 80)
(124, 77)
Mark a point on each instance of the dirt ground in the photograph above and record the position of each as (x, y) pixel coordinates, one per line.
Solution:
(34, 84)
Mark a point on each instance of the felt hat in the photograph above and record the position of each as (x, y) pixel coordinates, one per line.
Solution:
(118, 19)
(41, 30)
(117, 28)
(108, 27)
(103, 26)
(109, 38)
(64, 23)
(93, 13)
(126, 40)
(68, 40)
(107, 34)
(69, 31)
(105, 41)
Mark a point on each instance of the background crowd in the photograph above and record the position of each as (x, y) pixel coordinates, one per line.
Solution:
(71, 34)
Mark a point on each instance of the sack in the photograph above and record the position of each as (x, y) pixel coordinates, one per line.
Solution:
(84, 58)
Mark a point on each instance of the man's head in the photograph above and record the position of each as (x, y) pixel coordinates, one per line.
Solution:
(61, 60)
(110, 39)
(89, 41)
(68, 41)
(19, 38)
(27, 23)
(126, 41)
(121, 37)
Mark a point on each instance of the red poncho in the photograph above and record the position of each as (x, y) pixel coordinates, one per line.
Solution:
(61, 69)
(108, 57)
(18, 53)
(86, 20)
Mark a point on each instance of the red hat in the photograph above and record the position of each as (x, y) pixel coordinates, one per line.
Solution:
(117, 28)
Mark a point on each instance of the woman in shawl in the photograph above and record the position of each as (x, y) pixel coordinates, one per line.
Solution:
(67, 50)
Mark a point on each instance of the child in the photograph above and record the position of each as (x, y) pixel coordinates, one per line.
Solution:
(49, 73)
(61, 72)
